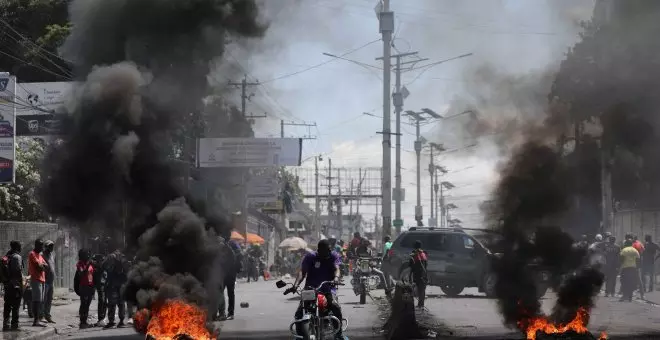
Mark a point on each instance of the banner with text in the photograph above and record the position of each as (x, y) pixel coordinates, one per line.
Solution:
(248, 152)
(7, 127)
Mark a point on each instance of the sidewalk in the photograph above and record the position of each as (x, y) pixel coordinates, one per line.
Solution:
(64, 312)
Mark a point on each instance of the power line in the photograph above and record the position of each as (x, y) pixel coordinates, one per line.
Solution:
(321, 64)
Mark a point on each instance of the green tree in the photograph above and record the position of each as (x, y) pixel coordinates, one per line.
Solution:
(32, 32)
(18, 201)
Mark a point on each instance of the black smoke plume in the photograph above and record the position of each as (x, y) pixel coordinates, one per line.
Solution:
(531, 199)
(142, 68)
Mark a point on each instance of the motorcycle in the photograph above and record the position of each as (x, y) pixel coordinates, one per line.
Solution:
(252, 269)
(366, 277)
(317, 322)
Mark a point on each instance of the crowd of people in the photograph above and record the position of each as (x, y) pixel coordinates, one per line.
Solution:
(98, 276)
(632, 261)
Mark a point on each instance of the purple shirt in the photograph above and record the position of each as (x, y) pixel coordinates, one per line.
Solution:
(319, 270)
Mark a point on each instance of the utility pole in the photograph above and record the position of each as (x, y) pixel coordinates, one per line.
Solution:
(386, 22)
(437, 201)
(318, 200)
(339, 202)
(417, 116)
(308, 136)
(245, 97)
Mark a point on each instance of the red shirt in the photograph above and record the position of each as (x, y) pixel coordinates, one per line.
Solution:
(639, 246)
(86, 271)
(34, 261)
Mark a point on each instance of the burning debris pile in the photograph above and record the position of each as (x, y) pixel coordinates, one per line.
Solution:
(142, 66)
(534, 190)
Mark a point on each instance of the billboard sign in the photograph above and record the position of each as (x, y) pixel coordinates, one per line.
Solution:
(248, 152)
(7, 127)
(42, 98)
(262, 189)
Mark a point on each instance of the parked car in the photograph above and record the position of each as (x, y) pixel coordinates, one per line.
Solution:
(456, 259)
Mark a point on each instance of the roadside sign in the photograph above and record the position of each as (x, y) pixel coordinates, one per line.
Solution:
(397, 223)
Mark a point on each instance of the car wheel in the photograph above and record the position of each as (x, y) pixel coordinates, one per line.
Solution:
(452, 290)
(490, 279)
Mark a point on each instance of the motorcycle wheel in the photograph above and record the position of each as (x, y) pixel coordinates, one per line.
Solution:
(363, 294)
(304, 331)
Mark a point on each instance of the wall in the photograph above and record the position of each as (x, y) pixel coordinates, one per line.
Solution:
(67, 243)
(637, 221)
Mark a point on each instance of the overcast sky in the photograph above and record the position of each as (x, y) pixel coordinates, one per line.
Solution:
(515, 37)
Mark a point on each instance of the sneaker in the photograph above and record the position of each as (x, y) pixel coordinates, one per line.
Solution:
(230, 317)
(109, 325)
(130, 321)
(85, 326)
(15, 328)
(38, 324)
(99, 324)
(49, 320)
(121, 324)
(5, 328)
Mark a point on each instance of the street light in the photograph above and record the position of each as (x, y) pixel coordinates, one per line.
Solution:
(417, 116)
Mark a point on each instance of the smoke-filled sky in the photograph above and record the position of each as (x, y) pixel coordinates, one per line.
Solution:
(518, 41)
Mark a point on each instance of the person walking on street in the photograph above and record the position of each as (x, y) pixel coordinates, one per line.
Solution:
(612, 262)
(37, 268)
(629, 271)
(12, 280)
(83, 284)
(49, 256)
(232, 269)
(639, 246)
(650, 255)
(418, 262)
(100, 277)
(115, 268)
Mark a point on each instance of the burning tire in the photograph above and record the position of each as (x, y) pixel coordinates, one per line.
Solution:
(452, 290)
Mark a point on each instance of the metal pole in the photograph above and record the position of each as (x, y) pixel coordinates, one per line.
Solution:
(418, 150)
(282, 128)
(437, 201)
(316, 192)
(386, 28)
(341, 226)
(442, 206)
(432, 171)
(398, 106)
(243, 94)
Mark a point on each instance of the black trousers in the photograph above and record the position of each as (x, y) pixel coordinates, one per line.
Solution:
(86, 296)
(629, 280)
(420, 284)
(115, 302)
(648, 271)
(13, 297)
(610, 280)
(230, 302)
(102, 303)
(333, 305)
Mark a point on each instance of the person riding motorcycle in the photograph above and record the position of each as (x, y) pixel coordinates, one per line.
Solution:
(316, 267)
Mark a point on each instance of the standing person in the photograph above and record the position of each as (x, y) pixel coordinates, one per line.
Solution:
(612, 263)
(387, 244)
(12, 280)
(639, 246)
(37, 268)
(629, 271)
(418, 262)
(49, 256)
(231, 270)
(84, 285)
(355, 242)
(100, 277)
(650, 255)
(115, 268)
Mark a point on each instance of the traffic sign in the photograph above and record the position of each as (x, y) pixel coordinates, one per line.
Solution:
(397, 223)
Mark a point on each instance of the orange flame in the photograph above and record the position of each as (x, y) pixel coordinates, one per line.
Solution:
(171, 319)
(541, 323)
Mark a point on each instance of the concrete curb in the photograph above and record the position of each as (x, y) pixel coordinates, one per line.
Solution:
(43, 334)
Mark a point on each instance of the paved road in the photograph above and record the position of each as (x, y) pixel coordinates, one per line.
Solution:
(470, 315)
(268, 315)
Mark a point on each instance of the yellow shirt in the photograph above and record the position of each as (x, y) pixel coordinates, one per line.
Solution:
(629, 256)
